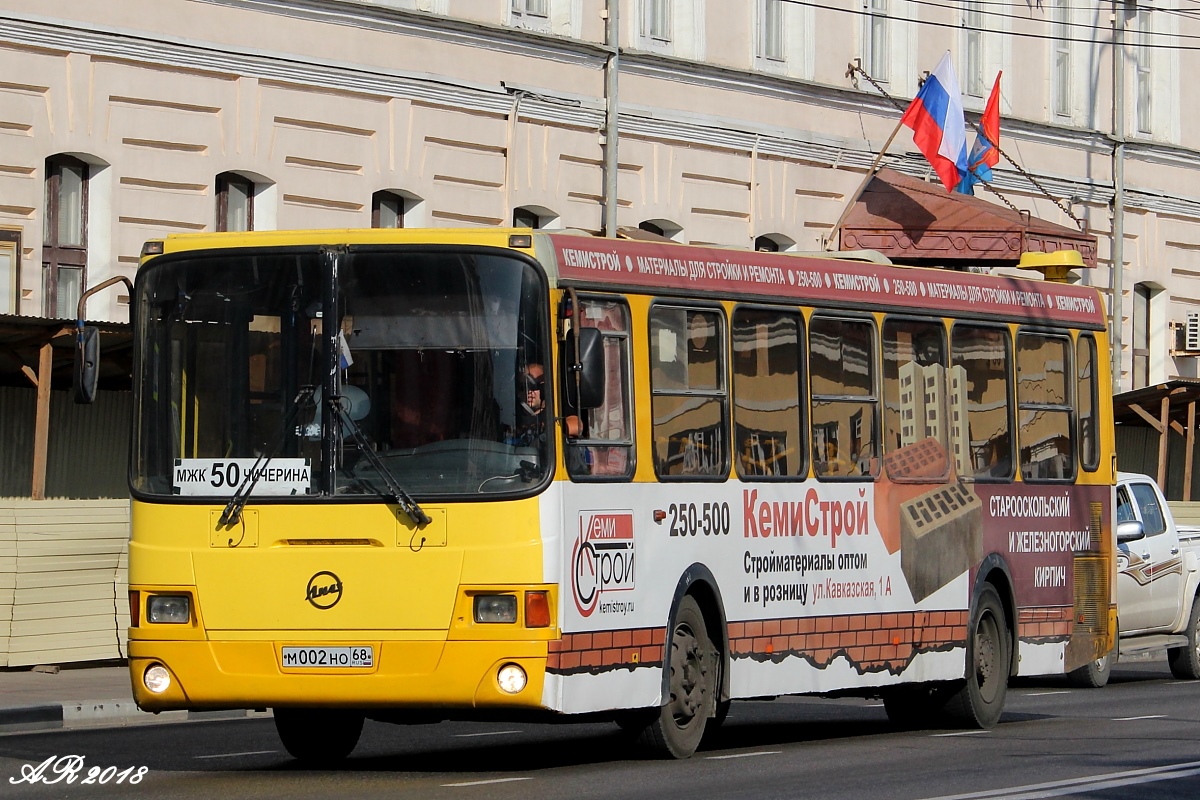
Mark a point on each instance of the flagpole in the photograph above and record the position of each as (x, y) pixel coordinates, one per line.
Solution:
(863, 185)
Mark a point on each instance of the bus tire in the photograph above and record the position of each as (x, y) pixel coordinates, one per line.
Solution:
(318, 736)
(1185, 661)
(1095, 673)
(980, 700)
(691, 661)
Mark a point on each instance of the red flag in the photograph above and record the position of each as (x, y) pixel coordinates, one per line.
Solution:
(984, 153)
(990, 123)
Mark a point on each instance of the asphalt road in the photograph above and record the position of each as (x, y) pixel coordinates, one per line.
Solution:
(1138, 737)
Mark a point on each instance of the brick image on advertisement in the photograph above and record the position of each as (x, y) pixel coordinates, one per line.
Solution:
(940, 538)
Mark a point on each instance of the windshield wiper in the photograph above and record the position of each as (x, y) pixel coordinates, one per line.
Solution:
(394, 490)
(237, 501)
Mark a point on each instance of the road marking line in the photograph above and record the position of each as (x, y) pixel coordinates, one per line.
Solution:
(1046, 694)
(236, 755)
(484, 783)
(959, 733)
(746, 755)
(484, 733)
(1131, 719)
(1038, 791)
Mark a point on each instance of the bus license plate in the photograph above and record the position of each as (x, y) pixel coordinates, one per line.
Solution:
(328, 657)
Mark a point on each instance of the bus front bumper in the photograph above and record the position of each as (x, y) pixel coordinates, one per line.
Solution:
(209, 675)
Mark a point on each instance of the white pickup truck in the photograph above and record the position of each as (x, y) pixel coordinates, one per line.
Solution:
(1158, 576)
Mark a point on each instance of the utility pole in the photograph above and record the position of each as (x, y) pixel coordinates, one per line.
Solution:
(612, 130)
(1117, 247)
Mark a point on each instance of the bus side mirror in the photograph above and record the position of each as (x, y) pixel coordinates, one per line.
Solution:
(590, 368)
(87, 364)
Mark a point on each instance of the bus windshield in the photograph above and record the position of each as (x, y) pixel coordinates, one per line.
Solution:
(436, 357)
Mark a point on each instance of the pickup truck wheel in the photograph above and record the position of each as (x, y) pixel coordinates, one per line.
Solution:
(1094, 674)
(980, 701)
(1185, 661)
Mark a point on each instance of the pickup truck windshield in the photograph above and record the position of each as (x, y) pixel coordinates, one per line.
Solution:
(434, 348)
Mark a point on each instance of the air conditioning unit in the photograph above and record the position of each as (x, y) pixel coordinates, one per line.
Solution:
(1191, 336)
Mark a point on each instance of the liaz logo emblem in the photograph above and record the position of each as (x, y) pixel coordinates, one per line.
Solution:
(602, 558)
(324, 590)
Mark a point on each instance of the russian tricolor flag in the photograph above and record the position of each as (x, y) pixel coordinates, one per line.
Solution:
(939, 126)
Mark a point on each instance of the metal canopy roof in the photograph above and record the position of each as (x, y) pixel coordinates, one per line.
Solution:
(911, 222)
(1165, 407)
(22, 339)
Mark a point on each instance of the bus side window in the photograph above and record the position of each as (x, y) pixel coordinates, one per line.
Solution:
(1086, 394)
(845, 403)
(689, 402)
(768, 391)
(1044, 407)
(915, 402)
(601, 446)
(980, 388)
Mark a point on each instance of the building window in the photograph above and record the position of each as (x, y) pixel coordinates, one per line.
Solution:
(688, 398)
(235, 202)
(387, 210)
(875, 36)
(845, 403)
(64, 243)
(1060, 42)
(656, 19)
(770, 29)
(531, 8)
(662, 227)
(1141, 335)
(1142, 65)
(774, 243)
(973, 25)
(526, 218)
(10, 272)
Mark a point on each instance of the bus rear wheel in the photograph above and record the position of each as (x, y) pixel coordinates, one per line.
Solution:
(980, 701)
(677, 728)
(318, 736)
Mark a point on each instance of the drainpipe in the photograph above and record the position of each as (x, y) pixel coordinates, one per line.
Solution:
(612, 107)
(1118, 169)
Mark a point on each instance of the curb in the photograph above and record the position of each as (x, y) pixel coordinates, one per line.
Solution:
(103, 713)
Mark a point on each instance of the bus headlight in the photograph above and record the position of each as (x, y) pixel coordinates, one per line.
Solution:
(156, 678)
(496, 608)
(512, 679)
(175, 609)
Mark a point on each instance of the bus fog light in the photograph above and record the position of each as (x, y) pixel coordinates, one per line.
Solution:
(156, 678)
(512, 679)
(496, 608)
(169, 608)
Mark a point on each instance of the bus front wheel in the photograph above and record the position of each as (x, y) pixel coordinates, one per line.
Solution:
(980, 700)
(677, 728)
(318, 736)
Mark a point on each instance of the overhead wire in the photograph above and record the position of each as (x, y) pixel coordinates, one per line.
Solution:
(1136, 41)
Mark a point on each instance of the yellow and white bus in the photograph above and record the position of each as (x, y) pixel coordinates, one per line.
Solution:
(422, 474)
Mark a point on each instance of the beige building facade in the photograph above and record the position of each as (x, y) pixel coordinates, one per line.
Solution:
(739, 124)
